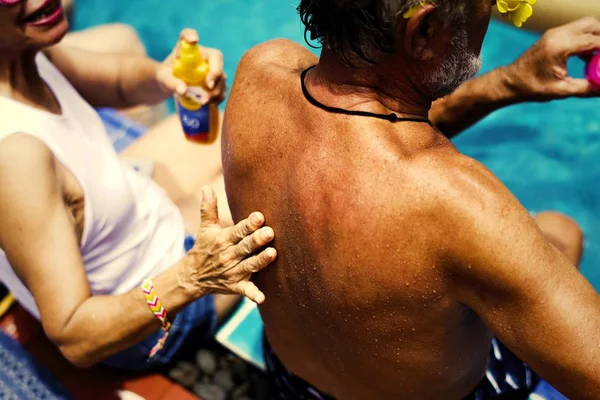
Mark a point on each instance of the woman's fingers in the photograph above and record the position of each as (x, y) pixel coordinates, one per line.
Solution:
(246, 227)
(189, 35)
(250, 244)
(249, 289)
(209, 212)
(257, 262)
(215, 66)
(220, 90)
(170, 83)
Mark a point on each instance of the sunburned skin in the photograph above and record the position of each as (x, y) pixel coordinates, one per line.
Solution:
(360, 286)
(398, 256)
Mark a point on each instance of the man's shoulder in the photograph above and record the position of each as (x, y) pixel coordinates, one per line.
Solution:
(274, 55)
(466, 204)
(264, 80)
(455, 190)
(451, 176)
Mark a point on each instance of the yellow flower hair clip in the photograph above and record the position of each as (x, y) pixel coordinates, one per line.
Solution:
(413, 10)
(517, 11)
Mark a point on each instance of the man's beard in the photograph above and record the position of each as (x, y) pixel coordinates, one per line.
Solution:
(460, 66)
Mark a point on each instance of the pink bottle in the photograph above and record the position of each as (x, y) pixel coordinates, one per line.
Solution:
(592, 72)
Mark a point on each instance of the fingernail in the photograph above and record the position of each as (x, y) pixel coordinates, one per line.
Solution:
(271, 253)
(267, 233)
(210, 83)
(256, 218)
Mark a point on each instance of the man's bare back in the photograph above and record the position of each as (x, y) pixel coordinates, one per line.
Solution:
(386, 234)
(359, 293)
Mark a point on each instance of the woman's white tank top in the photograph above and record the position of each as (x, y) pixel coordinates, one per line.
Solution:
(131, 228)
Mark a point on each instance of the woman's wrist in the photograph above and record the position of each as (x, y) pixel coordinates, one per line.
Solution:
(176, 288)
(141, 85)
(186, 271)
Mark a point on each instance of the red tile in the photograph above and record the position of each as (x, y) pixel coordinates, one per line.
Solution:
(179, 393)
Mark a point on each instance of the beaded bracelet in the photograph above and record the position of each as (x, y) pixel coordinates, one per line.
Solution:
(159, 312)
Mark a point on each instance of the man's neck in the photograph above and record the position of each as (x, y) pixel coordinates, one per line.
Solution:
(366, 89)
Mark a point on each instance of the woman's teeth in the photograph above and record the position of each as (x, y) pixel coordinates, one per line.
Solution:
(45, 12)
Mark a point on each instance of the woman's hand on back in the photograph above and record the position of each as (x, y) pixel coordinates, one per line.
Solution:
(223, 259)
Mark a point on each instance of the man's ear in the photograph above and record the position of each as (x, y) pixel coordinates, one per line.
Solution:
(421, 30)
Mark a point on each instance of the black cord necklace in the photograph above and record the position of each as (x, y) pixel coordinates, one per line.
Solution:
(388, 117)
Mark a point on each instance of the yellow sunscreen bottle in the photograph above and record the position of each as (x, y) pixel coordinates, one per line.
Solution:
(200, 123)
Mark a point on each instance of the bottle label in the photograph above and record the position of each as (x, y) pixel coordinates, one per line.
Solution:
(195, 122)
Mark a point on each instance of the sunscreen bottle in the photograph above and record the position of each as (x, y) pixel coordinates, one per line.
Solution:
(200, 123)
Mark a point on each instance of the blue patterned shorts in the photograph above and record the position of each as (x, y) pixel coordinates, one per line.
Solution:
(507, 377)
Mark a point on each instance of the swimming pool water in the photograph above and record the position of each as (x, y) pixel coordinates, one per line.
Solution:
(548, 154)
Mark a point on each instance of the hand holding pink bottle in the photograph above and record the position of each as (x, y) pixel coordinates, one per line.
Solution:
(592, 72)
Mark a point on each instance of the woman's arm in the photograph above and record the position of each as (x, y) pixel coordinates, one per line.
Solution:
(553, 13)
(39, 238)
(109, 80)
(120, 81)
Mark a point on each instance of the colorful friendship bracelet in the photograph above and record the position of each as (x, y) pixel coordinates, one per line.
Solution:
(159, 312)
(517, 11)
